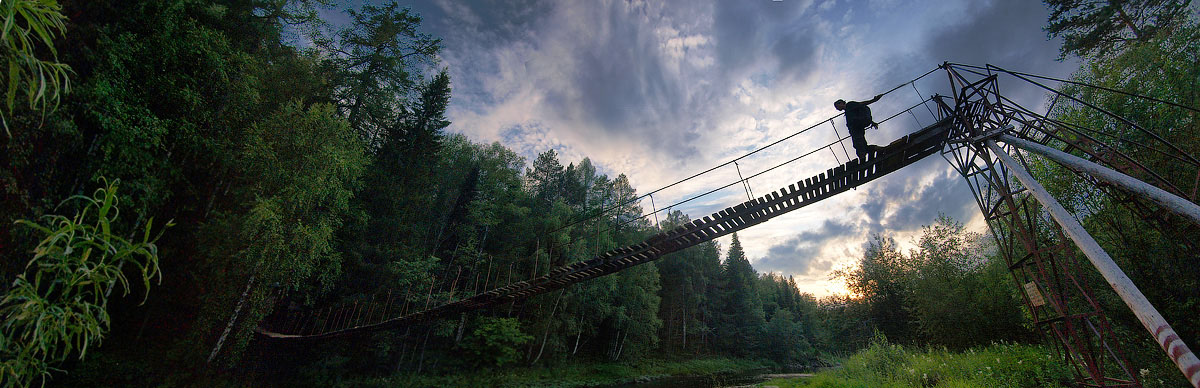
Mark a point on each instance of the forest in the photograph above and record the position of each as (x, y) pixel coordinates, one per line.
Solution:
(176, 173)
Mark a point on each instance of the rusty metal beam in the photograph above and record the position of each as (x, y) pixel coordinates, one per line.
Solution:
(1149, 316)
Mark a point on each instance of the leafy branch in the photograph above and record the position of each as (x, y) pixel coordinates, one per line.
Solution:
(27, 26)
(57, 307)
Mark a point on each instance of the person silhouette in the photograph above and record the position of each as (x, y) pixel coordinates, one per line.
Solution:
(858, 118)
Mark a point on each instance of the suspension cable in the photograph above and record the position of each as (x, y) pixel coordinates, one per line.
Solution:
(1106, 112)
(829, 145)
(1078, 127)
(843, 144)
(733, 161)
(1085, 84)
(914, 86)
(769, 145)
(743, 180)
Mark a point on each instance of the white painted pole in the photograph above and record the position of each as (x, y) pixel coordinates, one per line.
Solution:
(1145, 312)
(1168, 201)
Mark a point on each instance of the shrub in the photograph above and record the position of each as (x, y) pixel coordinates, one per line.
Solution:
(57, 307)
(494, 342)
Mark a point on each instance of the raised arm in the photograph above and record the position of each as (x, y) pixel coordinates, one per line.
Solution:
(877, 97)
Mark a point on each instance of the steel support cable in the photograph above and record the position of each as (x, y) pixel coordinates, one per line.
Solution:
(603, 211)
(1152, 173)
(1079, 130)
(818, 149)
(906, 110)
(745, 185)
(914, 116)
(1105, 111)
(912, 81)
(1077, 127)
(693, 176)
(1085, 84)
(652, 206)
(730, 184)
(969, 70)
(829, 145)
(914, 86)
(843, 144)
(913, 147)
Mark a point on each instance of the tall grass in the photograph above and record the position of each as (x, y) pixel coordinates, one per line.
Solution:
(56, 308)
(26, 27)
(888, 365)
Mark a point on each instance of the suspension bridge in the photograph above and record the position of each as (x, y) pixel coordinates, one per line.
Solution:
(987, 138)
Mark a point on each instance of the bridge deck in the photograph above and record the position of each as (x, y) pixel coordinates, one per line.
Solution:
(894, 156)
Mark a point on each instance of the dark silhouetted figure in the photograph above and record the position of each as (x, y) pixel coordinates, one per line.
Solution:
(858, 118)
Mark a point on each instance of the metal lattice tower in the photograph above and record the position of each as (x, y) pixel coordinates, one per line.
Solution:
(1040, 259)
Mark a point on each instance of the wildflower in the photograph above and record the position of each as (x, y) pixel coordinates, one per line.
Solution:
(1144, 372)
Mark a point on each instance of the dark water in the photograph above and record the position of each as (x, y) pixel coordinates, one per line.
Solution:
(697, 381)
(718, 381)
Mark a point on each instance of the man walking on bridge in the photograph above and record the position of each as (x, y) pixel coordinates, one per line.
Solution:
(858, 118)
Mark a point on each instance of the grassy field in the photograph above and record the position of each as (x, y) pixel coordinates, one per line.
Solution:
(572, 375)
(885, 365)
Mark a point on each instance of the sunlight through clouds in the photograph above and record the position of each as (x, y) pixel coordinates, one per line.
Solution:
(661, 90)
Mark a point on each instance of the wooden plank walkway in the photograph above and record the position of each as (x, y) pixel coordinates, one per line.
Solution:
(900, 153)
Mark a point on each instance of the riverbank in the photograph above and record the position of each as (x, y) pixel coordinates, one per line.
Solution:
(885, 365)
(577, 374)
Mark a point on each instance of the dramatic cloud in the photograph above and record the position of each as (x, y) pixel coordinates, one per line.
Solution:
(904, 202)
(661, 90)
(801, 254)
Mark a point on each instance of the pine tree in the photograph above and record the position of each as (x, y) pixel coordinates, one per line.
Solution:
(741, 314)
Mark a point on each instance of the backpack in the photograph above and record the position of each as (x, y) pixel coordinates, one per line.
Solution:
(858, 115)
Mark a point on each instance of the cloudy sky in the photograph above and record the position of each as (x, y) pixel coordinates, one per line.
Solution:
(659, 90)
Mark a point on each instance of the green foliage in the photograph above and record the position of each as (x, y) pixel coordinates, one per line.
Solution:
(1103, 27)
(493, 342)
(946, 292)
(58, 306)
(636, 314)
(302, 167)
(950, 272)
(372, 61)
(882, 280)
(842, 324)
(785, 339)
(1150, 251)
(26, 27)
(165, 108)
(689, 292)
(741, 316)
(887, 365)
